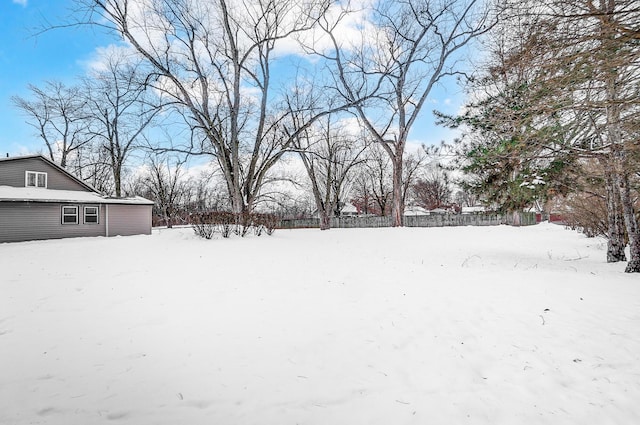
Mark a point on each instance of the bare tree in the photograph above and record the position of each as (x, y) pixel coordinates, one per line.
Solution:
(412, 169)
(465, 198)
(329, 154)
(373, 190)
(119, 108)
(92, 165)
(58, 113)
(413, 47)
(214, 60)
(166, 185)
(432, 190)
(208, 193)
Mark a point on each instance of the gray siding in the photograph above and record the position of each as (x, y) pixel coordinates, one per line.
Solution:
(12, 173)
(24, 221)
(125, 220)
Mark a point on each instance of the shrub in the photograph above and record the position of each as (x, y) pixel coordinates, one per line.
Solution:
(206, 224)
(202, 226)
(267, 222)
(586, 213)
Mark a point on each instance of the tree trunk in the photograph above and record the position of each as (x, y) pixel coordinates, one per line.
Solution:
(233, 189)
(325, 220)
(633, 266)
(615, 221)
(167, 219)
(620, 160)
(117, 179)
(515, 218)
(397, 207)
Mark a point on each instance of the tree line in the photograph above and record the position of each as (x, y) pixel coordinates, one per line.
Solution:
(552, 109)
(200, 75)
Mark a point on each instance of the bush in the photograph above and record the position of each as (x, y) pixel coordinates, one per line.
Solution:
(206, 224)
(266, 222)
(204, 230)
(586, 213)
(203, 226)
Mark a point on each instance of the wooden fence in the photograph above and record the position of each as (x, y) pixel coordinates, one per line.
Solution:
(433, 220)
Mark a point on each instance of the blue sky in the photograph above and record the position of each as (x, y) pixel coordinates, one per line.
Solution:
(27, 57)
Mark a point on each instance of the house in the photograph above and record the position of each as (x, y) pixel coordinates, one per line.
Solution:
(415, 210)
(473, 210)
(41, 200)
(348, 210)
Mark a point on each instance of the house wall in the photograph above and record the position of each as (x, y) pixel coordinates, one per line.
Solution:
(13, 174)
(125, 220)
(24, 221)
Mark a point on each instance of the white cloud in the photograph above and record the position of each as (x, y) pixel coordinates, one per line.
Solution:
(350, 25)
(104, 55)
(22, 3)
(21, 150)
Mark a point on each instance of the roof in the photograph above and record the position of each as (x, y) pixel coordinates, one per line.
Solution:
(53, 164)
(349, 208)
(415, 210)
(474, 209)
(32, 194)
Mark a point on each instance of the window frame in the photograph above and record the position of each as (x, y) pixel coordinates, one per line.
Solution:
(36, 175)
(96, 215)
(63, 214)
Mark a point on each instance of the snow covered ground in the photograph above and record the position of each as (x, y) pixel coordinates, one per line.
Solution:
(474, 325)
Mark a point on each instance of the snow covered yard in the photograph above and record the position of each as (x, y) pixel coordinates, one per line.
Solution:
(474, 325)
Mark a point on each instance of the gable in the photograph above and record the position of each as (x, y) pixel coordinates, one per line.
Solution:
(13, 173)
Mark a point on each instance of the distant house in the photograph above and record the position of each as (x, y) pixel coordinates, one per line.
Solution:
(349, 210)
(410, 210)
(473, 210)
(41, 200)
(346, 210)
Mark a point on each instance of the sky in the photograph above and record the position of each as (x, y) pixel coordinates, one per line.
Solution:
(27, 57)
(30, 56)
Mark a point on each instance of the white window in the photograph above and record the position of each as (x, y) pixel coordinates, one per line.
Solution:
(35, 179)
(91, 215)
(69, 214)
